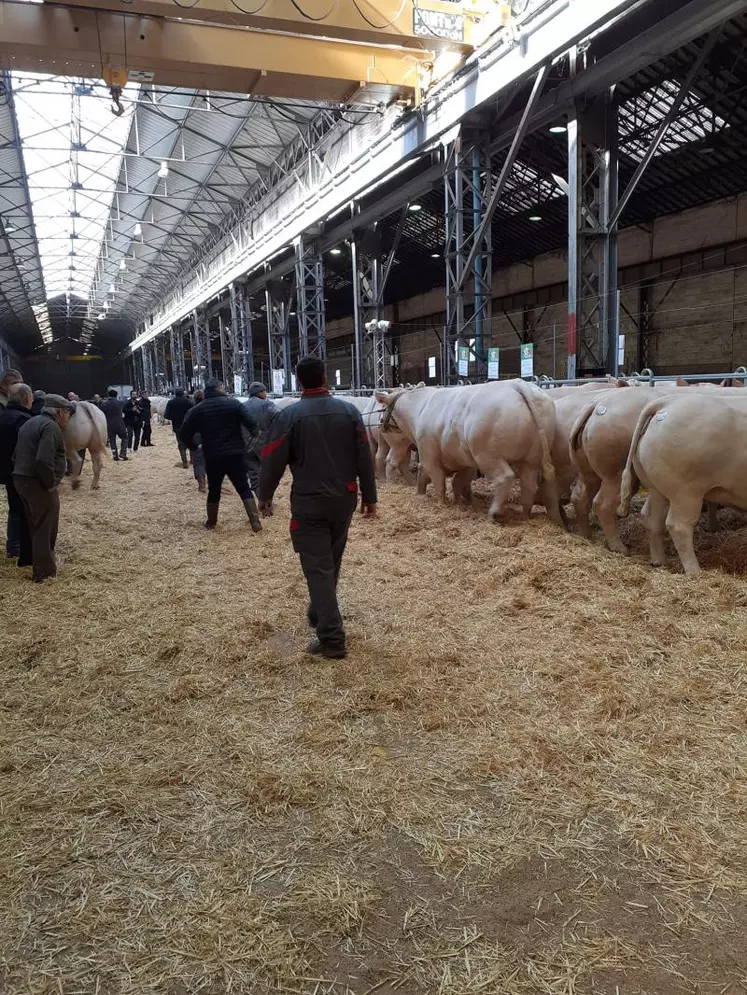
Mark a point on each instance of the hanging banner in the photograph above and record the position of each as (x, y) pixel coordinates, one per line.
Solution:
(527, 360)
(278, 381)
(463, 361)
(493, 364)
(238, 384)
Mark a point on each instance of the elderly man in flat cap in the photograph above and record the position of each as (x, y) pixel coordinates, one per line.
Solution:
(263, 411)
(39, 466)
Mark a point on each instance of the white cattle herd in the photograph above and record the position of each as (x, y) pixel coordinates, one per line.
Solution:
(589, 445)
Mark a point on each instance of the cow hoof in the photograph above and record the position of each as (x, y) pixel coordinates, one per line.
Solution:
(75, 484)
(95, 487)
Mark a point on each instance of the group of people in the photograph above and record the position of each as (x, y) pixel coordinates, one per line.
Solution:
(320, 438)
(32, 465)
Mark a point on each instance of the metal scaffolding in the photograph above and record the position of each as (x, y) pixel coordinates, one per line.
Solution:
(310, 297)
(278, 334)
(241, 335)
(202, 366)
(161, 369)
(369, 281)
(178, 366)
(467, 188)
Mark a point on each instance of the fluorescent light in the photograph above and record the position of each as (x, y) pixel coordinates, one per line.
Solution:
(137, 231)
(414, 208)
(112, 289)
(335, 252)
(535, 217)
(163, 170)
(435, 255)
(558, 129)
(122, 264)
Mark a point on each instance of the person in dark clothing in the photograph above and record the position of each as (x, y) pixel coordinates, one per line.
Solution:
(38, 468)
(133, 419)
(146, 414)
(115, 426)
(219, 420)
(198, 457)
(176, 412)
(325, 443)
(263, 411)
(15, 414)
(38, 403)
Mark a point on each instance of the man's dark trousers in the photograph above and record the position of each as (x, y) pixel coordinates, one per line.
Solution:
(320, 540)
(22, 545)
(146, 433)
(118, 431)
(43, 517)
(233, 467)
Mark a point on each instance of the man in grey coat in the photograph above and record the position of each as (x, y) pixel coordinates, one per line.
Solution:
(263, 411)
(38, 469)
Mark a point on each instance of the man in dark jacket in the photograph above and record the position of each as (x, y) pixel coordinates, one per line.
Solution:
(39, 466)
(38, 403)
(324, 442)
(133, 419)
(219, 421)
(176, 412)
(263, 411)
(15, 414)
(146, 414)
(115, 426)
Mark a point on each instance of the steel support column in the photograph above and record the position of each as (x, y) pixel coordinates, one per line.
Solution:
(225, 335)
(200, 340)
(241, 334)
(161, 370)
(368, 291)
(310, 298)
(467, 187)
(278, 316)
(178, 366)
(592, 239)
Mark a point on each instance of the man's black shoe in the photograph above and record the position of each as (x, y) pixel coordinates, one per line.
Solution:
(317, 648)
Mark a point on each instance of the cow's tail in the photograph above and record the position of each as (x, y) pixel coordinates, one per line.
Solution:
(96, 427)
(528, 396)
(577, 429)
(629, 478)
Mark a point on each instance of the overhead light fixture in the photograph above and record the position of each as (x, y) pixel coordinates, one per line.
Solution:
(335, 252)
(163, 170)
(112, 289)
(535, 217)
(414, 208)
(138, 230)
(9, 227)
(293, 314)
(558, 129)
(435, 255)
(122, 264)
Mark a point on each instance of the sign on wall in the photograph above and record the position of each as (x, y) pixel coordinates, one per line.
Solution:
(527, 359)
(435, 22)
(463, 361)
(278, 381)
(493, 364)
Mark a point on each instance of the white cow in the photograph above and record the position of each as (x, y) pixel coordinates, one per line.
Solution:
(687, 448)
(488, 427)
(86, 429)
(158, 408)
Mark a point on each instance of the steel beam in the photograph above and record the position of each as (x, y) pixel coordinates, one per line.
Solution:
(161, 370)
(467, 189)
(75, 41)
(368, 291)
(241, 329)
(178, 367)
(226, 354)
(278, 335)
(373, 22)
(310, 299)
(202, 369)
(592, 239)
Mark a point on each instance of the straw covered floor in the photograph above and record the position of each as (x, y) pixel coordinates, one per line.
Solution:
(528, 776)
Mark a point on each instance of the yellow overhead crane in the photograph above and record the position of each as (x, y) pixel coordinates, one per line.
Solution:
(313, 49)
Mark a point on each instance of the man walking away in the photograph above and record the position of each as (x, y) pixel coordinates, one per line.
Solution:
(325, 443)
(146, 413)
(219, 421)
(15, 414)
(263, 411)
(198, 457)
(38, 469)
(133, 419)
(176, 412)
(115, 426)
(7, 379)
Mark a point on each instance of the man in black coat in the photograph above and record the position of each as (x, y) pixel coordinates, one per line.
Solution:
(15, 414)
(176, 412)
(325, 443)
(133, 419)
(115, 426)
(146, 415)
(219, 420)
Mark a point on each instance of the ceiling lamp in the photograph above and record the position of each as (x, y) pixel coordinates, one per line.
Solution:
(112, 289)
(414, 208)
(535, 217)
(9, 227)
(138, 230)
(558, 129)
(336, 252)
(163, 170)
(122, 264)
(435, 255)
(101, 316)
